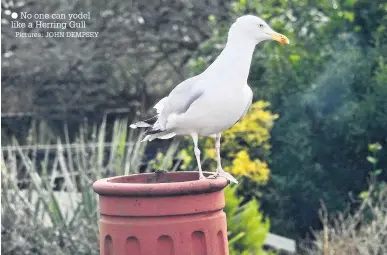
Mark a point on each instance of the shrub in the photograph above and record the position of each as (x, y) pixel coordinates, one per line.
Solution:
(329, 88)
(362, 233)
(45, 218)
(246, 225)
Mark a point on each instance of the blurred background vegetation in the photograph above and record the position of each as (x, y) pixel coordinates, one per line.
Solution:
(316, 134)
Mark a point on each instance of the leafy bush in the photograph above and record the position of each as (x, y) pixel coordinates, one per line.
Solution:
(363, 232)
(246, 225)
(329, 89)
(50, 218)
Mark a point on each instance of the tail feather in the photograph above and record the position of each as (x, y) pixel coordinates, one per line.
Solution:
(139, 125)
(154, 131)
(160, 135)
(144, 123)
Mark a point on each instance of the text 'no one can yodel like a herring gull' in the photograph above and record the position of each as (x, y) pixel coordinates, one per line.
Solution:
(50, 24)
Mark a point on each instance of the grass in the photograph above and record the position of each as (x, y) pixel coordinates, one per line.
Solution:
(50, 218)
(361, 233)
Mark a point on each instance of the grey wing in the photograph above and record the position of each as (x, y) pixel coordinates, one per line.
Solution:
(180, 98)
(249, 99)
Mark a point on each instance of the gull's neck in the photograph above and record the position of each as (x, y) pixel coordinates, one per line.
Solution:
(235, 59)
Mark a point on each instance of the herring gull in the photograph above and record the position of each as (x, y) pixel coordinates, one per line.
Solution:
(216, 99)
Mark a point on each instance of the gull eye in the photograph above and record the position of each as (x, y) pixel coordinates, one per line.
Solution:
(261, 25)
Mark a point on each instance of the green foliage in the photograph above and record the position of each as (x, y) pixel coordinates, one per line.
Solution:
(44, 218)
(359, 232)
(377, 184)
(329, 89)
(246, 225)
(362, 232)
(165, 161)
(332, 105)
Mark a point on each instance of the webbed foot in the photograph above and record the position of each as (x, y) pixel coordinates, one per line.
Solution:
(222, 173)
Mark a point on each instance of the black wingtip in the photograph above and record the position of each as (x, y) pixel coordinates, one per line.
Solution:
(153, 131)
(144, 123)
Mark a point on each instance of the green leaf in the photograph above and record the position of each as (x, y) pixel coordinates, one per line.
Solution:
(363, 195)
(246, 224)
(372, 160)
(212, 19)
(373, 147)
(294, 58)
(349, 16)
(377, 172)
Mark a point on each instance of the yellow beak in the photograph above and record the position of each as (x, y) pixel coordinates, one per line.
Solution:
(280, 38)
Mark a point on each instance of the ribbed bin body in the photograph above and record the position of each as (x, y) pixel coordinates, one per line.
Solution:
(162, 214)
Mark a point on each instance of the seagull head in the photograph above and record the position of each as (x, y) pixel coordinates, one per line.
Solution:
(256, 29)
